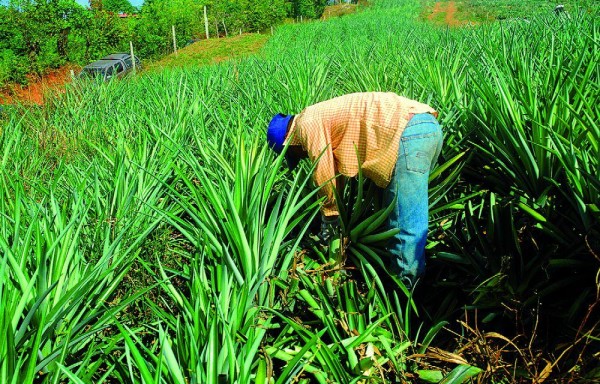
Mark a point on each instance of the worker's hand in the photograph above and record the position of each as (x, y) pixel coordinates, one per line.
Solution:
(330, 226)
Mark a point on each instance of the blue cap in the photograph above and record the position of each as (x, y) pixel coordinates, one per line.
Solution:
(277, 131)
(276, 134)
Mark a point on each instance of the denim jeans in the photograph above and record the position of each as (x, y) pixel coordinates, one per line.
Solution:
(420, 146)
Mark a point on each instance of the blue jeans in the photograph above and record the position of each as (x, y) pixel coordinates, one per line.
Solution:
(419, 149)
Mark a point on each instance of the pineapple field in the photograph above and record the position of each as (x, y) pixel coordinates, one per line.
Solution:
(149, 235)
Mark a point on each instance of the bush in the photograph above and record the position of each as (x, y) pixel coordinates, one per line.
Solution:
(12, 68)
(48, 57)
(312, 9)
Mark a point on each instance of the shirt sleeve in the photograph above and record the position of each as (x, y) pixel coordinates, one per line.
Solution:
(316, 141)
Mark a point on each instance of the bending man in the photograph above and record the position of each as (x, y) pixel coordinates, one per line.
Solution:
(398, 141)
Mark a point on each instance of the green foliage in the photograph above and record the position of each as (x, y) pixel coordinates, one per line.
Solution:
(61, 258)
(531, 235)
(260, 15)
(44, 46)
(65, 31)
(87, 179)
(153, 30)
(211, 52)
(311, 9)
(47, 44)
(12, 67)
(508, 9)
(118, 6)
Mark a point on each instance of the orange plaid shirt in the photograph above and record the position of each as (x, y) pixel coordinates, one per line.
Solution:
(368, 124)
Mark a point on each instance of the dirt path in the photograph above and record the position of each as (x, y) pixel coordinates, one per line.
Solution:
(445, 11)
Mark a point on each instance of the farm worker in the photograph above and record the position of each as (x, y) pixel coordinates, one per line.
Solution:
(398, 141)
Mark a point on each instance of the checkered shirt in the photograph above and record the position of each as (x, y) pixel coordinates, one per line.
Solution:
(358, 128)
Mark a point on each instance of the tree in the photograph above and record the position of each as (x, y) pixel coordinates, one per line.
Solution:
(250, 15)
(118, 6)
(308, 8)
(152, 30)
(46, 44)
(97, 5)
(64, 32)
(13, 67)
(262, 14)
(103, 33)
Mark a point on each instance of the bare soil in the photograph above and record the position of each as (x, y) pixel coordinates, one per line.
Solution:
(446, 12)
(38, 87)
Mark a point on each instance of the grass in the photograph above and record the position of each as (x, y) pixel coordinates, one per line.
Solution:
(148, 234)
(480, 11)
(506, 9)
(212, 51)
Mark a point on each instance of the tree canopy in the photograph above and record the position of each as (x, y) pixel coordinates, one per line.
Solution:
(118, 6)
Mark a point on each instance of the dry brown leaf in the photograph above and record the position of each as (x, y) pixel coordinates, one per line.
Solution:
(504, 338)
(377, 351)
(545, 372)
(500, 336)
(449, 357)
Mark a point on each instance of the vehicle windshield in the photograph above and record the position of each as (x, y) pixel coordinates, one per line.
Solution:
(92, 72)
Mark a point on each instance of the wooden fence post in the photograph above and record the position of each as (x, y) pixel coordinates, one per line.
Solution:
(132, 56)
(174, 40)
(206, 22)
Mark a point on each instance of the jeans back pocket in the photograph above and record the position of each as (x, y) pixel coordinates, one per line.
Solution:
(419, 151)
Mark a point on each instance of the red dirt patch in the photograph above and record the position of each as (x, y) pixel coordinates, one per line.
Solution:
(38, 86)
(446, 11)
